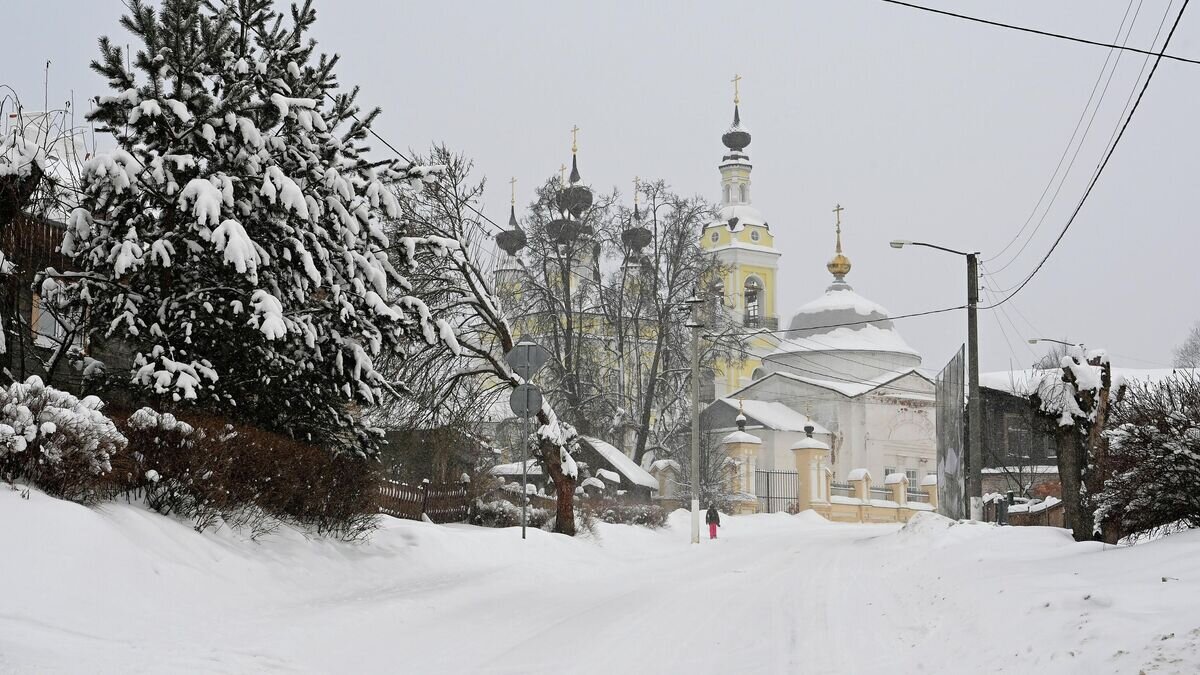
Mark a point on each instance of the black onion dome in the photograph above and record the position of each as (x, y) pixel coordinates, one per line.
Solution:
(513, 239)
(564, 231)
(737, 138)
(636, 238)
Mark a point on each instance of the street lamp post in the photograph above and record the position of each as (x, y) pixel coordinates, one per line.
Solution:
(974, 404)
(695, 324)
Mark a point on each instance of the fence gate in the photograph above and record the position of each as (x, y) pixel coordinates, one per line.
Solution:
(776, 490)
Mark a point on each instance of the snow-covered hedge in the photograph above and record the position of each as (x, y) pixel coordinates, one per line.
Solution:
(500, 513)
(211, 473)
(58, 441)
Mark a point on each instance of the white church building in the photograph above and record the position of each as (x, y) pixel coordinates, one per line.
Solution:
(840, 365)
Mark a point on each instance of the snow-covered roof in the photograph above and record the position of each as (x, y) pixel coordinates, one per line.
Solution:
(592, 481)
(858, 474)
(745, 214)
(610, 476)
(1031, 469)
(894, 478)
(664, 464)
(850, 389)
(741, 437)
(774, 415)
(622, 463)
(808, 443)
(862, 338)
(1024, 382)
(818, 325)
(514, 469)
(929, 479)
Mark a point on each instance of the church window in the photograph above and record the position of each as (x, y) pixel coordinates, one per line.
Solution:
(742, 190)
(758, 374)
(753, 302)
(715, 236)
(753, 235)
(728, 193)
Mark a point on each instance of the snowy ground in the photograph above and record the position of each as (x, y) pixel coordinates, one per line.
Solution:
(119, 589)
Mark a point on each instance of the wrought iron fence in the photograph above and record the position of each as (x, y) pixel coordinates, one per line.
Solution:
(881, 493)
(919, 496)
(776, 490)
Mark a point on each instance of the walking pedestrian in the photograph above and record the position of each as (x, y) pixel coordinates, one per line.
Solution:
(714, 521)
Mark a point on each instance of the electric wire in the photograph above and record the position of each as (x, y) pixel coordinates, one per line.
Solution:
(1035, 31)
(1103, 164)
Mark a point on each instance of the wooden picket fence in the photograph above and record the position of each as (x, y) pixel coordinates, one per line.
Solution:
(441, 503)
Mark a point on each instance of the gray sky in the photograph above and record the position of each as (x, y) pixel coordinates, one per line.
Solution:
(922, 127)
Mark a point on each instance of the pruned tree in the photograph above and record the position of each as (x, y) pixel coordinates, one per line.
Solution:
(1154, 435)
(1077, 397)
(240, 208)
(1187, 354)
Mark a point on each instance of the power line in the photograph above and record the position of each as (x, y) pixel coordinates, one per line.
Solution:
(768, 331)
(1071, 141)
(1041, 32)
(1100, 169)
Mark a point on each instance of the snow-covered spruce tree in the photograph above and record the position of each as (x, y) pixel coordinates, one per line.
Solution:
(233, 239)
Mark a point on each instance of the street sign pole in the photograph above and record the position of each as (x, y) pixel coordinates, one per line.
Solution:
(525, 358)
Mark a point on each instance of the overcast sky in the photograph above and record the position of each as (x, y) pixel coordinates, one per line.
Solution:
(921, 126)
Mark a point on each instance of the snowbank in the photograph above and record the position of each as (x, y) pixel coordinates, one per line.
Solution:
(120, 589)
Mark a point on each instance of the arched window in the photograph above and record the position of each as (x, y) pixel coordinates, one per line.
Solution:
(743, 189)
(728, 193)
(754, 294)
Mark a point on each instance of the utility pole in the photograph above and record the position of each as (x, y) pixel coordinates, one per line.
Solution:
(695, 324)
(974, 468)
(974, 405)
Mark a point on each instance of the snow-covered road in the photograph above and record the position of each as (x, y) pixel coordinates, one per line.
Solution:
(123, 590)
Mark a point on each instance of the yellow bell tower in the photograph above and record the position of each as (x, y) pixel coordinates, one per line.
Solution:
(741, 240)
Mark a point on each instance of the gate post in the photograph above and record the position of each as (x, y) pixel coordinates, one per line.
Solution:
(809, 455)
(424, 497)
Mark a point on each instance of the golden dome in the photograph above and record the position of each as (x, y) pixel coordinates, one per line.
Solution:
(839, 266)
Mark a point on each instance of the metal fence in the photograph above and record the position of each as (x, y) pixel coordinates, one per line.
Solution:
(841, 489)
(880, 493)
(776, 490)
(918, 497)
(441, 503)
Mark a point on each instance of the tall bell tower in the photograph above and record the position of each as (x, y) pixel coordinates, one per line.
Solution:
(742, 241)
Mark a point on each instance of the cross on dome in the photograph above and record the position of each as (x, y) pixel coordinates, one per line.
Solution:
(839, 266)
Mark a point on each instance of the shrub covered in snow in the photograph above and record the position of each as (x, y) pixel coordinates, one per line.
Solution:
(234, 238)
(626, 513)
(1154, 458)
(58, 441)
(501, 513)
(212, 473)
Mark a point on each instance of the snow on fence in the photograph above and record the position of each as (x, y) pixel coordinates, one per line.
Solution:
(440, 503)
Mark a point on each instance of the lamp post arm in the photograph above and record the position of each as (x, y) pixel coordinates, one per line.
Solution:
(940, 248)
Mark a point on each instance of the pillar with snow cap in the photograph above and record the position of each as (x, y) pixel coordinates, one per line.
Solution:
(742, 447)
(810, 455)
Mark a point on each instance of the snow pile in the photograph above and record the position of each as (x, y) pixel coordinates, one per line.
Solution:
(791, 594)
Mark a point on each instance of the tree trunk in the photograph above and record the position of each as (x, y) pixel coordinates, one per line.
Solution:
(643, 430)
(1071, 456)
(564, 492)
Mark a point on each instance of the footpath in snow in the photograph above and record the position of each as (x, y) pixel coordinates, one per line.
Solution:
(119, 589)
